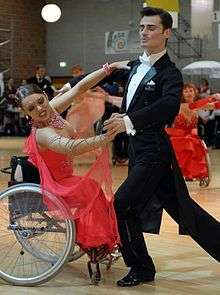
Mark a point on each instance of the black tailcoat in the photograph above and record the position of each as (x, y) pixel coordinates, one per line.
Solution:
(154, 179)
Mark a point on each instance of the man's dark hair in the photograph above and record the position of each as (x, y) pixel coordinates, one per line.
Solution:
(39, 66)
(166, 18)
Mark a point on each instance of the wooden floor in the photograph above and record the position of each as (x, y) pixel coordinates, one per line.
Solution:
(182, 266)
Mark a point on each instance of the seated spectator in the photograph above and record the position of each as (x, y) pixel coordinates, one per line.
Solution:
(10, 87)
(204, 89)
(23, 82)
(11, 124)
(215, 118)
(40, 79)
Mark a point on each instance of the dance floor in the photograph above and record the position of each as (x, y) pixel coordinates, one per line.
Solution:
(182, 266)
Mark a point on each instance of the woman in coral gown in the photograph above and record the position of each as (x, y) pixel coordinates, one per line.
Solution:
(191, 152)
(52, 147)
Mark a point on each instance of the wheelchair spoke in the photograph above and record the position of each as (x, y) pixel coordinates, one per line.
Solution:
(8, 250)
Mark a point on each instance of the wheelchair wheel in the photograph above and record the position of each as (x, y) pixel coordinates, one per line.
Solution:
(204, 182)
(35, 242)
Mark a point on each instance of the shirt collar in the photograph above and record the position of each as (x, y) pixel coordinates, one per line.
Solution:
(154, 56)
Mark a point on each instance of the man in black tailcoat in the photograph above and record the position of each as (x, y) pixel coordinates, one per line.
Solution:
(151, 101)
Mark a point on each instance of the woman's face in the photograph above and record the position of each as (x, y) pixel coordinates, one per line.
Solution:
(189, 94)
(37, 107)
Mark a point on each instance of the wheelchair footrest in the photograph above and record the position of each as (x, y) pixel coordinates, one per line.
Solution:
(94, 272)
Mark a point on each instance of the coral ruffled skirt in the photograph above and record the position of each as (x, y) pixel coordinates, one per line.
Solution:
(190, 152)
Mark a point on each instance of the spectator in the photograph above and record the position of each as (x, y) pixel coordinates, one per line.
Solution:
(204, 89)
(215, 119)
(10, 87)
(40, 79)
(77, 70)
(23, 82)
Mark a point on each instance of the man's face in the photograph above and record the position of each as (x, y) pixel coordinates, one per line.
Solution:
(77, 72)
(41, 72)
(152, 35)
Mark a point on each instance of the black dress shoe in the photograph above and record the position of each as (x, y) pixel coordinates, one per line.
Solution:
(136, 277)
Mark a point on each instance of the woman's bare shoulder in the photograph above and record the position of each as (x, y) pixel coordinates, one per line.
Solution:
(184, 106)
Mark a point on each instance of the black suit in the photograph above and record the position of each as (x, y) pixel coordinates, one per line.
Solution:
(153, 170)
(44, 85)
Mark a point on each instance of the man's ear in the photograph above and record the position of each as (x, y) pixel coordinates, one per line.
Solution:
(167, 33)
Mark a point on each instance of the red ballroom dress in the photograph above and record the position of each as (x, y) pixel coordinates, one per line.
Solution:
(88, 197)
(190, 150)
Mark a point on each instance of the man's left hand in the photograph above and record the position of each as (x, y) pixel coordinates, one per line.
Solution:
(115, 124)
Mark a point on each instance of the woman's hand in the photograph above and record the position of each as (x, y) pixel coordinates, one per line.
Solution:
(209, 106)
(120, 65)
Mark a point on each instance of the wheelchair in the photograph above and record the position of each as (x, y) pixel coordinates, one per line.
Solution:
(37, 242)
(204, 182)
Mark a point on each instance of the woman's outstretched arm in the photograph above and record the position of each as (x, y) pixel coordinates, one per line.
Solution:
(62, 102)
(49, 139)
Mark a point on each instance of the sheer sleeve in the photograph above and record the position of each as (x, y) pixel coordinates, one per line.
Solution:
(49, 139)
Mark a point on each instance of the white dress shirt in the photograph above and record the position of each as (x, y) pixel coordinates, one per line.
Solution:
(143, 68)
(204, 114)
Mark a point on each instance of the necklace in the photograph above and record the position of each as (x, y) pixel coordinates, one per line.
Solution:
(55, 121)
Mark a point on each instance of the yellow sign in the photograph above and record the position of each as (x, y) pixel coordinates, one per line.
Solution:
(169, 5)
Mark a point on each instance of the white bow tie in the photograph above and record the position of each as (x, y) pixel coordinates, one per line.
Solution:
(144, 59)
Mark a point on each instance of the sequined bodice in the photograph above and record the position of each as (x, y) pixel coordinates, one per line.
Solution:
(60, 165)
(181, 122)
(55, 121)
